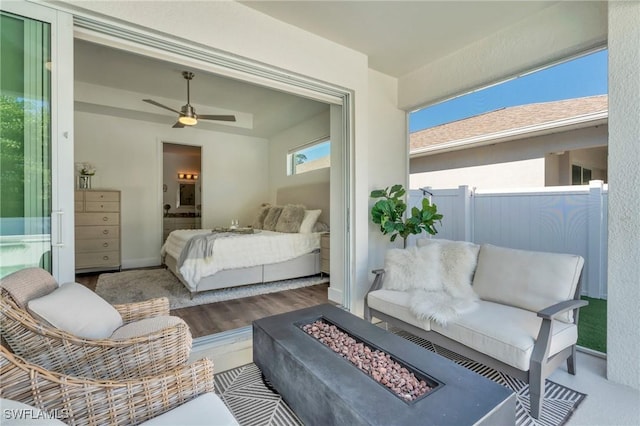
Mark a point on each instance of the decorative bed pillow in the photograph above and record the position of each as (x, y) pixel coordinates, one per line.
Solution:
(321, 227)
(271, 219)
(258, 222)
(290, 219)
(77, 310)
(309, 221)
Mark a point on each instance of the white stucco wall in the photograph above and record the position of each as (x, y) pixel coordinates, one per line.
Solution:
(623, 322)
(552, 34)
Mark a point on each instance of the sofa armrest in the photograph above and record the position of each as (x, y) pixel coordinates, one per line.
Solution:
(377, 281)
(552, 312)
(377, 284)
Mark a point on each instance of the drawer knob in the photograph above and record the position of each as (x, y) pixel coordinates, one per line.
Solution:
(101, 206)
(105, 257)
(105, 232)
(105, 244)
(105, 218)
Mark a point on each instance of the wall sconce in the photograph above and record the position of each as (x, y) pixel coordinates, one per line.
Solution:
(187, 176)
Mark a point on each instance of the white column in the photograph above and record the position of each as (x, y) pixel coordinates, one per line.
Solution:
(623, 322)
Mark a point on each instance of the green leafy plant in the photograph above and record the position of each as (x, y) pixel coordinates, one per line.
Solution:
(389, 213)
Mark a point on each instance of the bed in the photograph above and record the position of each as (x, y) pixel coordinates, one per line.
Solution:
(236, 259)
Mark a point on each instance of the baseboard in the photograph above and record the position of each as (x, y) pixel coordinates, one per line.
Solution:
(141, 263)
(335, 295)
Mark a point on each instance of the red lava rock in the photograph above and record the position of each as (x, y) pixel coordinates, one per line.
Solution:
(377, 364)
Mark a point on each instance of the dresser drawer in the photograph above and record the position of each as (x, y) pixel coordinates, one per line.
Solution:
(95, 260)
(79, 206)
(102, 196)
(102, 206)
(101, 245)
(88, 219)
(97, 232)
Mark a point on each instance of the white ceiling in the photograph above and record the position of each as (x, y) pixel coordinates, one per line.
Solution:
(272, 111)
(397, 36)
(401, 36)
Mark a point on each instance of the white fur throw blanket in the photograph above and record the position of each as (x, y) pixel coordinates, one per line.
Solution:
(437, 274)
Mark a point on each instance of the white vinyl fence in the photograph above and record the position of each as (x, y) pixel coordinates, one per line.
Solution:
(562, 219)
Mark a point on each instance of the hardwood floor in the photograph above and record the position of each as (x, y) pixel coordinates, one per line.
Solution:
(223, 316)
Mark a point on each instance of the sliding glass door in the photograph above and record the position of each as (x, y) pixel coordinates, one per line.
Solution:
(32, 217)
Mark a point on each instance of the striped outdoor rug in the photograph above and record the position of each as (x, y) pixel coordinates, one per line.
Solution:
(253, 402)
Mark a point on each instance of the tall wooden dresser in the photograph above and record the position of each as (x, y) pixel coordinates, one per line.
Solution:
(97, 230)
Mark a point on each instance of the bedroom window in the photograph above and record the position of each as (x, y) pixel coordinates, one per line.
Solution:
(312, 156)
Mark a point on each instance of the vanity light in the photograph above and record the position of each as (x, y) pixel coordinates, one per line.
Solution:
(187, 176)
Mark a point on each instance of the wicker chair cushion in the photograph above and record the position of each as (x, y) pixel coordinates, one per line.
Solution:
(205, 409)
(27, 284)
(145, 326)
(77, 310)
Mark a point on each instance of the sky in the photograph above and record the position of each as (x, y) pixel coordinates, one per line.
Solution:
(584, 76)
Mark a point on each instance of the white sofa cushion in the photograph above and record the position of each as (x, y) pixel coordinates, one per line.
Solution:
(207, 409)
(505, 333)
(526, 279)
(77, 310)
(396, 304)
(145, 326)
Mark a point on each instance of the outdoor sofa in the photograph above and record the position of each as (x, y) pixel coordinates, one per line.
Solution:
(521, 317)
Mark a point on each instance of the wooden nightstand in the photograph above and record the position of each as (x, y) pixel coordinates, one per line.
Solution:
(325, 253)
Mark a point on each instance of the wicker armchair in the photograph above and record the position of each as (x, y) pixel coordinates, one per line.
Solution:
(149, 354)
(77, 401)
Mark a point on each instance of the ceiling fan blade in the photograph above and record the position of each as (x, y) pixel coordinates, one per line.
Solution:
(178, 125)
(217, 117)
(152, 102)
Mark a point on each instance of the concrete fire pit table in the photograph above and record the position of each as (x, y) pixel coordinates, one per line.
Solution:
(324, 389)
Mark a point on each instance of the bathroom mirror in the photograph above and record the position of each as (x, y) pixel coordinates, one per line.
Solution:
(186, 195)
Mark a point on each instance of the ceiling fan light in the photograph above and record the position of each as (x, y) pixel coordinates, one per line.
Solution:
(187, 121)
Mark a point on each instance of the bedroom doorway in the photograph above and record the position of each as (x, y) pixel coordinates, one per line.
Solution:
(181, 187)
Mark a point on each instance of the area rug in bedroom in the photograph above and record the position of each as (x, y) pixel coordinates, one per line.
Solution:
(254, 402)
(139, 285)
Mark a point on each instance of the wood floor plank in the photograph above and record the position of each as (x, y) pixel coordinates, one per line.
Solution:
(231, 314)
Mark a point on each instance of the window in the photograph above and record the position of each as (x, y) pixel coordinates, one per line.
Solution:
(580, 175)
(312, 156)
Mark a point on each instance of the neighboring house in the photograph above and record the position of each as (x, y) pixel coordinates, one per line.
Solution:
(541, 144)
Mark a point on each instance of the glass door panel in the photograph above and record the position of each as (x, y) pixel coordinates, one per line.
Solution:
(25, 143)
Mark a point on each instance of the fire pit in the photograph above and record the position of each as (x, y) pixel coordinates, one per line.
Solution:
(324, 388)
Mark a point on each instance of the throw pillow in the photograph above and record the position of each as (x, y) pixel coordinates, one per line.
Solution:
(27, 284)
(258, 221)
(271, 219)
(309, 221)
(290, 219)
(77, 310)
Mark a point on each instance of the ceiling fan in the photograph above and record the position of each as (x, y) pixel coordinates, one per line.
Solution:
(187, 115)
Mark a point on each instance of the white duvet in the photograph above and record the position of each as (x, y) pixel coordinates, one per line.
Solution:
(238, 251)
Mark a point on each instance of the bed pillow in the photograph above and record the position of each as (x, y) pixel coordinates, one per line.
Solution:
(271, 219)
(77, 310)
(290, 219)
(258, 221)
(309, 220)
(321, 227)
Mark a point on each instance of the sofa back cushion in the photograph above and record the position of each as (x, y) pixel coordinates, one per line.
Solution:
(526, 279)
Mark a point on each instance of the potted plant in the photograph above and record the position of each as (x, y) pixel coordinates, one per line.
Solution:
(389, 213)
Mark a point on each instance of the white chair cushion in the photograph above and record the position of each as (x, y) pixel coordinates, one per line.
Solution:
(396, 304)
(145, 326)
(505, 333)
(526, 279)
(77, 310)
(16, 413)
(207, 409)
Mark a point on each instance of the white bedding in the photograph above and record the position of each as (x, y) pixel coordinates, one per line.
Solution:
(238, 251)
